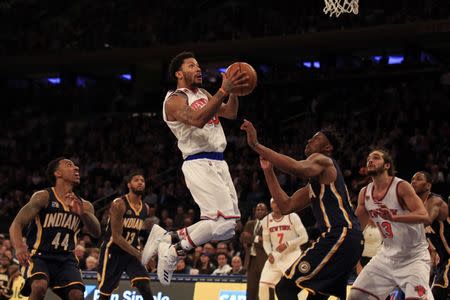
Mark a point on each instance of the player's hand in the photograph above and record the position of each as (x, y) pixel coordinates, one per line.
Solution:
(75, 203)
(386, 213)
(271, 258)
(234, 81)
(281, 247)
(22, 254)
(252, 137)
(265, 164)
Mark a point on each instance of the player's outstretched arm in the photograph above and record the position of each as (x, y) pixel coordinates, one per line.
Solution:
(361, 211)
(417, 212)
(28, 212)
(116, 218)
(313, 166)
(90, 221)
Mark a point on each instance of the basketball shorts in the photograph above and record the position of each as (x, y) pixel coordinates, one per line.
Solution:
(211, 186)
(442, 278)
(325, 267)
(61, 271)
(112, 263)
(381, 275)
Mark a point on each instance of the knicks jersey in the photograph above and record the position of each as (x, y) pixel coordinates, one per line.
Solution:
(399, 239)
(193, 140)
(54, 230)
(133, 220)
(438, 234)
(280, 230)
(331, 203)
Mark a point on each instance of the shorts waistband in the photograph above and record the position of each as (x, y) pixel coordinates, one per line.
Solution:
(208, 155)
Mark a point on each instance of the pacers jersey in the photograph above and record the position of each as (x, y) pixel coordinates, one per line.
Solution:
(438, 234)
(331, 204)
(399, 239)
(133, 221)
(193, 140)
(54, 230)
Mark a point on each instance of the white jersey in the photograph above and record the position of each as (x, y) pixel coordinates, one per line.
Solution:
(288, 229)
(193, 140)
(400, 240)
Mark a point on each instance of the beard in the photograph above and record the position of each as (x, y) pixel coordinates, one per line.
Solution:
(376, 171)
(138, 192)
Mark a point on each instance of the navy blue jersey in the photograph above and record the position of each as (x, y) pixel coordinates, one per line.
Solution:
(54, 230)
(133, 220)
(331, 204)
(439, 235)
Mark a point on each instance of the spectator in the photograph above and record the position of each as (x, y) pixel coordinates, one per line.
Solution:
(236, 266)
(223, 268)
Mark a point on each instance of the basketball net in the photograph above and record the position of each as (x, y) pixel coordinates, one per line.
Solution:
(337, 7)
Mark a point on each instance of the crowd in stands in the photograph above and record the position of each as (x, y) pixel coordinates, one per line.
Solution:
(42, 26)
(407, 115)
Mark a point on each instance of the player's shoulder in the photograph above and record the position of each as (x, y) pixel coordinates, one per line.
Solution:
(321, 159)
(40, 197)
(118, 202)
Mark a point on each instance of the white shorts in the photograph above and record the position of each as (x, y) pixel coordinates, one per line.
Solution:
(272, 273)
(381, 275)
(212, 188)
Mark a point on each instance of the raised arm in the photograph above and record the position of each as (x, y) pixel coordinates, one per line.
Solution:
(227, 110)
(417, 212)
(287, 204)
(116, 218)
(177, 108)
(29, 211)
(361, 211)
(313, 166)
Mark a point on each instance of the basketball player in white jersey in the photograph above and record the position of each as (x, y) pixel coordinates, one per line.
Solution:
(192, 115)
(399, 214)
(282, 237)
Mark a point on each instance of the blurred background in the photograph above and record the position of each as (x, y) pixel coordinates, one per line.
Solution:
(87, 79)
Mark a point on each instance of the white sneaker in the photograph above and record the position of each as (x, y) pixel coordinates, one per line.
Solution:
(151, 247)
(167, 262)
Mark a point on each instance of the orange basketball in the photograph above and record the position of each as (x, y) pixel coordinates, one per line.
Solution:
(251, 73)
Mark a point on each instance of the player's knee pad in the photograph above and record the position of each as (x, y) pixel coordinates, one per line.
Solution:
(224, 229)
(359, 295)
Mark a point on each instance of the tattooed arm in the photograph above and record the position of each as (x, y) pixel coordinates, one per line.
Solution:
(38, 201)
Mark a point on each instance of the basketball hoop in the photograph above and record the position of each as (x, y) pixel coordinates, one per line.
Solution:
(337, 7)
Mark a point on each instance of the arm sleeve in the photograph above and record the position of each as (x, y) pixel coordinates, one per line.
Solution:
(302, 235)
(267, 245)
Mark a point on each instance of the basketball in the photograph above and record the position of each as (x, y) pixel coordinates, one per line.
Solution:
(251, 73)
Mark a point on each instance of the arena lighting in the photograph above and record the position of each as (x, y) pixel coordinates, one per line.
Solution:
(222, 70)
(395, 59)
(125, 77)
(54, 80)
(311, 64)
(377, 58)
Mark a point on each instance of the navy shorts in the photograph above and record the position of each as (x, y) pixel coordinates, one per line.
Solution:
(112, 263)
(61, 272)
